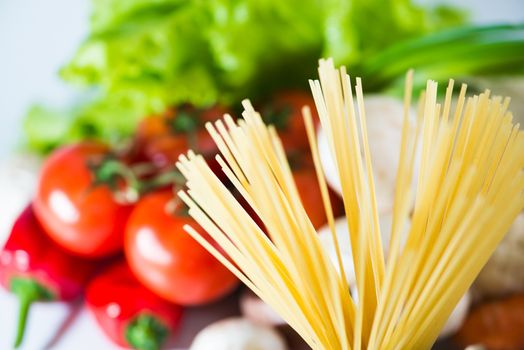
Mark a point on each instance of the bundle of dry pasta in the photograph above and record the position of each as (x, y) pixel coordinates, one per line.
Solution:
(469, 188)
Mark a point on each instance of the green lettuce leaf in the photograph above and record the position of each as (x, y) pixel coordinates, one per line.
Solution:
(143, 56)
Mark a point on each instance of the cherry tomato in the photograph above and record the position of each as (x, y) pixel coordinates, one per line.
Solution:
(81, 216)
(162, 139)
(285, 112)
(167, 259)
(309, 191)
(153, 126)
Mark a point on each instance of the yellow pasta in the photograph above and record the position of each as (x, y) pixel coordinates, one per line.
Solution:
(470, 187)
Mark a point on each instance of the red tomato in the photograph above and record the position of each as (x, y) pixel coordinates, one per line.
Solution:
(82, 217)
(153, 126)
(162, 139)
(309, 191)
(167, 259)
(285, 112)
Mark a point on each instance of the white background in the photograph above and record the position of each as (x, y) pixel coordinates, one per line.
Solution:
(36, 37)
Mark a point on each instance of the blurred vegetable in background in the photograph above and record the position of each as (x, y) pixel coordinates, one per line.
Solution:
(144, 56)
(470, 50)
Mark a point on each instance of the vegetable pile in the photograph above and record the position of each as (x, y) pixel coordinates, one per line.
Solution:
(142, 57)
(94, 202)
(151, 74)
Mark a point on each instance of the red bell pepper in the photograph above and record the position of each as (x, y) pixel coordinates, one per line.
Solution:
(35, 269)
(130, 315)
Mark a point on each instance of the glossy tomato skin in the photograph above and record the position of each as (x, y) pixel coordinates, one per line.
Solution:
(168, 260)
(83, 218)
(116, 299)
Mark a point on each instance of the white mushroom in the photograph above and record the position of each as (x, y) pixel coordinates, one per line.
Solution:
(384, 117)
(256, 310)
(238, 334)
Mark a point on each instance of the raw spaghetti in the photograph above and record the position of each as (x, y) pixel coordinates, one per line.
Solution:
(469, 188)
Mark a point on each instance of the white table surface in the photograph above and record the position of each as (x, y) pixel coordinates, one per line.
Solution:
(36, 37)
(69, 326)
